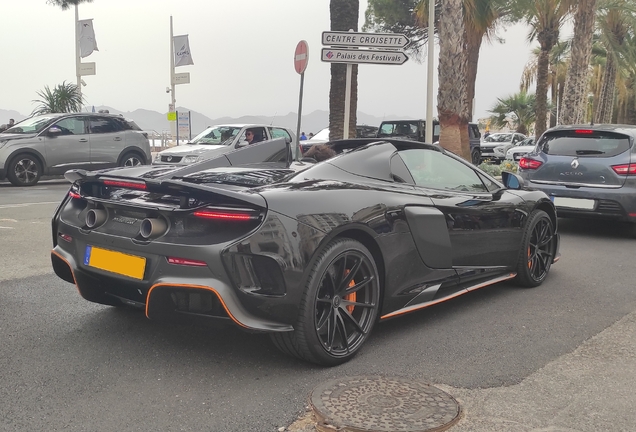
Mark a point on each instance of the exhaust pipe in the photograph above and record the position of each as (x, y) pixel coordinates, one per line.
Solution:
(95, 217)
(152, 228)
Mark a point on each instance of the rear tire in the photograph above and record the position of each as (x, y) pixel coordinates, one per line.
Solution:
(475, 157)
(131, 159)
(24, 170)
(339, 307)
(538, 246)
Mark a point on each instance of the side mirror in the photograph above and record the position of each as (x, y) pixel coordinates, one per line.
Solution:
(512, 180)
(54, 130)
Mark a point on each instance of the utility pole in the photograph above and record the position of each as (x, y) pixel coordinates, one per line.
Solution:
(78, 59)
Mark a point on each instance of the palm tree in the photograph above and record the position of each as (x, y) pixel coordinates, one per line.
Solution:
(545, 17)
(452, 107)
(61, 99)
(576, 82)
(522, 108)
(65, 4)
(344, 16)
(559, 61)
(615, 24)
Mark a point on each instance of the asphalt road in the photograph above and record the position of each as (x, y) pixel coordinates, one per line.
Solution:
(66, 364)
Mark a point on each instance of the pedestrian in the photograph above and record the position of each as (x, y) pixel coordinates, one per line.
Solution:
(311, 135)
(303, 137)
(11, 123)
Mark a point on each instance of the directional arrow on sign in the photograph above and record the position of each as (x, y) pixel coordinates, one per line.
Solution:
(369, 40)
(344, 55)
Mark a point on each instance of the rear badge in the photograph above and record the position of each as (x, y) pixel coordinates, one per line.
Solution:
(575, 164)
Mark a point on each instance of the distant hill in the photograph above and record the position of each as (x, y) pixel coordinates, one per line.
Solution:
(155, 121)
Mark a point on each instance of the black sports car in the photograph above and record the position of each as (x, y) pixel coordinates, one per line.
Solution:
(313, 254)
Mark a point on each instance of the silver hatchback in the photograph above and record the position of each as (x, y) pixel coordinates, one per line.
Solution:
(52, 144)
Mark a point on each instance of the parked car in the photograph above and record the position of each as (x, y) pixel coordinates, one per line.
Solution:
(521, 148)
(217, 140)
(588, 171)
(416, 130)
(313, 257)
(51, 144)
(494, 146)
(362, 131)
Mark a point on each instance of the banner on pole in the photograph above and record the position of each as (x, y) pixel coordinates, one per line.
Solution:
(87, 41)
(182, 54)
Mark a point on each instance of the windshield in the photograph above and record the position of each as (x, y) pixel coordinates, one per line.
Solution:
(32, 125)
(498, 138)
(400, 128)
(585, 143)
(217, 135)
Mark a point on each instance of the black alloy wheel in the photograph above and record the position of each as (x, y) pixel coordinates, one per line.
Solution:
(24, 170)
(339, 308)
(538, 249)
(131, 160)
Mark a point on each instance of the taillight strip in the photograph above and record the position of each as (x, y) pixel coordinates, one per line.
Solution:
(125, 184)
(224, 215)
(625, 169)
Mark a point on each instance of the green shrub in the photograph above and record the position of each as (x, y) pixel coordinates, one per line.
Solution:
(495, 170)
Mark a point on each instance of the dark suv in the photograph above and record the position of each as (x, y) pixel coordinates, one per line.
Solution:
(588, 171)
(416, 130)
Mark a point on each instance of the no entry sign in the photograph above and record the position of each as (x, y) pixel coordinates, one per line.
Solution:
(301, 57)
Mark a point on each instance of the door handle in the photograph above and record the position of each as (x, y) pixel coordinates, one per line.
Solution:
(83, 140)
(117, 139)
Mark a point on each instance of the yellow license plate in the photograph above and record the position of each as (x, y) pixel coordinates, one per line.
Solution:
(115, 262)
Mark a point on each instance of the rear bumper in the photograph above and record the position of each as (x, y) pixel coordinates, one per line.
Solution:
(616, 204)
(162, 295)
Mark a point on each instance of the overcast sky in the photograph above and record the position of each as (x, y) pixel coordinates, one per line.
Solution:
(243, 55)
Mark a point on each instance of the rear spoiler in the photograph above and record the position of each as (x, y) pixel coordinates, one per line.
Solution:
(274, 153)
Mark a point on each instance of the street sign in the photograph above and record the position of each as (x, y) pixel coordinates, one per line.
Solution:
(87, 69)
(172, 115)
(350, 55)
(301, 57)
(183, 123)
(370, 40)
(182, 78)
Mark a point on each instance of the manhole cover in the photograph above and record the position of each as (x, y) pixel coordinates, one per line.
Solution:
(379, 404)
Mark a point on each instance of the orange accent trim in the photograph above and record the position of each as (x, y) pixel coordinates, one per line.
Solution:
(195, 287)
(442, 300)
(70, 267)
(351, 297)
(556, 259)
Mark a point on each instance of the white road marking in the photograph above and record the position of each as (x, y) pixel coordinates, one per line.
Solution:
(1, 227)
(3, 206)
(8, 220)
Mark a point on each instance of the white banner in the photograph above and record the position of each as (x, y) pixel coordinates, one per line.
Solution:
(182, 54)
(87, 41)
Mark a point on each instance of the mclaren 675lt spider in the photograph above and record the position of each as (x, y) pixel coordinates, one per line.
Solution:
(312, 253)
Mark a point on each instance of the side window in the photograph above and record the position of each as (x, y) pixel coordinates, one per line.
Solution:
(435, 170)
(101, 125)
(72, 126)
(399, 171)
(280, 133)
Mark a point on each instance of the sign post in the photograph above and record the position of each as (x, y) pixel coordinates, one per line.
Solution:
(301, 58)
(355, 48)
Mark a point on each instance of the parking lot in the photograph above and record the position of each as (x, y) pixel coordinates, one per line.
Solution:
(517, 359)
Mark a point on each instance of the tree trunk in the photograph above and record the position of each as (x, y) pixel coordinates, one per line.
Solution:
(576, 81)
(344, 16)
(554, 92)
(606, 95)
(451, 97)
(541, 105)
(630, 115)
(473, 45)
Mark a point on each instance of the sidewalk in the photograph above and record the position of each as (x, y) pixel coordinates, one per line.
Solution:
(591, 389)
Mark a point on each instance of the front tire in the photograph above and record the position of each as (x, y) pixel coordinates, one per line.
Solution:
(24, 170)
(339, 307)
(538, 246)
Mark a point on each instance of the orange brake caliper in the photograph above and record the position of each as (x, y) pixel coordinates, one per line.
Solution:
(351, 297)
(529, 260)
